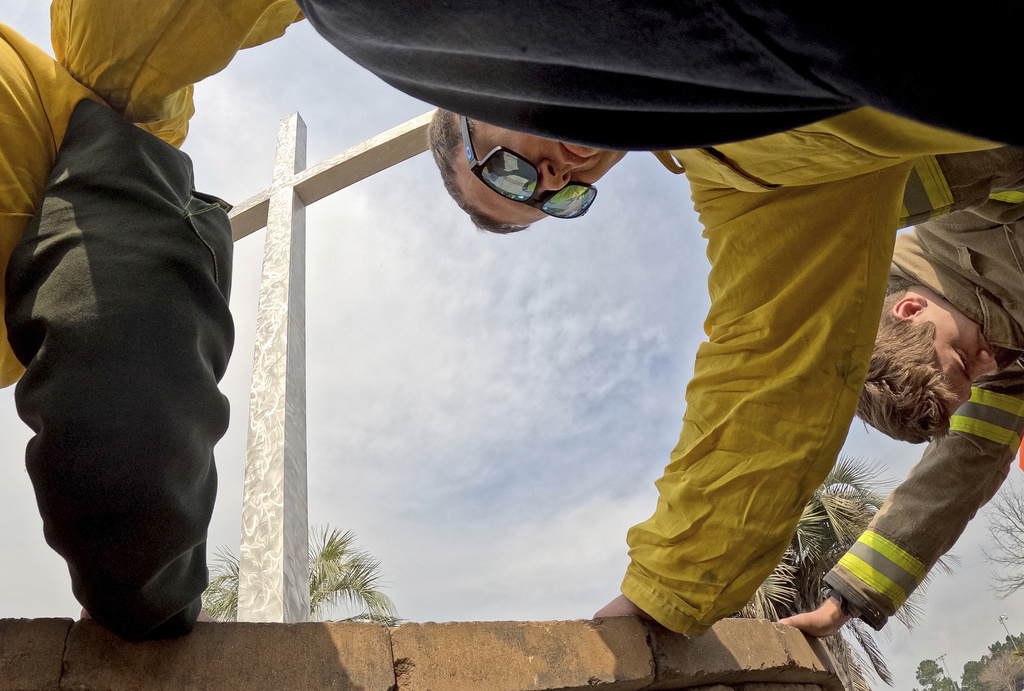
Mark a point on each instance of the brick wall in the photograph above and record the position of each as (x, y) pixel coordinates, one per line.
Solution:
(620, 654)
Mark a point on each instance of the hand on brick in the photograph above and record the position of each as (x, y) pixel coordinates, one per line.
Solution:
(824, 621)
(621, 607)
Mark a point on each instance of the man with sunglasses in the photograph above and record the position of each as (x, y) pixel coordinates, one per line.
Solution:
(529, 173)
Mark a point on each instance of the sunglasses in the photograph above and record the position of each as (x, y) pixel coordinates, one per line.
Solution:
(515, 178)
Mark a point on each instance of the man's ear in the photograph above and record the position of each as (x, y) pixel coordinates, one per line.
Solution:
(910, 308)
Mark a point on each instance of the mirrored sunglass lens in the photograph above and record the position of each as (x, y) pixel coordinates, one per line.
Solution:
(570, 201)
(510, 175)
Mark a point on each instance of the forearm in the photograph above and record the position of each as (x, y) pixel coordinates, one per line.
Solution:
(927, 513)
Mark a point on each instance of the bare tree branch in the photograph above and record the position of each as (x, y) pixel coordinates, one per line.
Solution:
(1002, 673)
(1006, 528)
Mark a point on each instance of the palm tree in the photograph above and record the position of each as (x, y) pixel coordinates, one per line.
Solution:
(339, 574)
(832, 520)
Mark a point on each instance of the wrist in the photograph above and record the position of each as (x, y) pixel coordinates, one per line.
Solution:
(847, 608)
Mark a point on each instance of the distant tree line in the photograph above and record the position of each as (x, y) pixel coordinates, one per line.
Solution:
(1001, 670)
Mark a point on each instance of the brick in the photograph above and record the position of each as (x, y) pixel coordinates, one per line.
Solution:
(31, 652)
(741, 651)
(224, 657)
(523, 656)
(758, 687)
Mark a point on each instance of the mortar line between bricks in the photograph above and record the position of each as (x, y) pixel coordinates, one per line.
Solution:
(391, 654)
(63, 657)
(649, 639)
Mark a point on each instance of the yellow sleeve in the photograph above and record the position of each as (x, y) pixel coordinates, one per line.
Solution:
(36, 100)
(144, 57)
(797, 281)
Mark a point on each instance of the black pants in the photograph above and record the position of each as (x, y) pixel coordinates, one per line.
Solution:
(674, 74)
(117, 307)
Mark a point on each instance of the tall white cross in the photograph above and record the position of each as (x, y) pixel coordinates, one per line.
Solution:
(273, 575)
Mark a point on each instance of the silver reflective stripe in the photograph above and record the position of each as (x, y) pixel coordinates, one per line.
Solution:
(993, 416)
(888, 569)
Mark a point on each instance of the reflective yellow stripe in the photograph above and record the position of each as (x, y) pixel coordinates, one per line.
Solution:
(1010, 196)
(904, 219)
(935, 185)
(884, 567)
(926, 194)
(1001, 401)
(985, 430)
(903, 559)
(873, 579)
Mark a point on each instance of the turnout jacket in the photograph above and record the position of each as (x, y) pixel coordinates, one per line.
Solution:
(975, 260)
(102, 55)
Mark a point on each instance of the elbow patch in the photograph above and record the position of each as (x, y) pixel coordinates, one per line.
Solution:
(993, 416)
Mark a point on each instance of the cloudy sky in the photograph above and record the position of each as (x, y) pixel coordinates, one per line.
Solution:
(487, 413)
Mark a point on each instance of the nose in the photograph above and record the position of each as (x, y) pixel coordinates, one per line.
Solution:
(552, 175)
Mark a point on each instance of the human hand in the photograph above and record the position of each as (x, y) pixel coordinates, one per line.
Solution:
(621, 607)
(824, 621)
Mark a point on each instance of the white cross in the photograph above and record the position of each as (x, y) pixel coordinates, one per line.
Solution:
(273, 576)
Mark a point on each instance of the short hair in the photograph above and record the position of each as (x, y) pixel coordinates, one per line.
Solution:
(906, 396)
(445, 138)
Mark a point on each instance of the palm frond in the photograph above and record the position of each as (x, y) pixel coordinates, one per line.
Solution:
(776, 594)
(220, 599)
(831, 522)
(340, 577)
(868, 646)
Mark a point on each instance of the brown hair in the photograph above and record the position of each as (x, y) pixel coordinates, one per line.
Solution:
(905, 395)
(445, 139)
